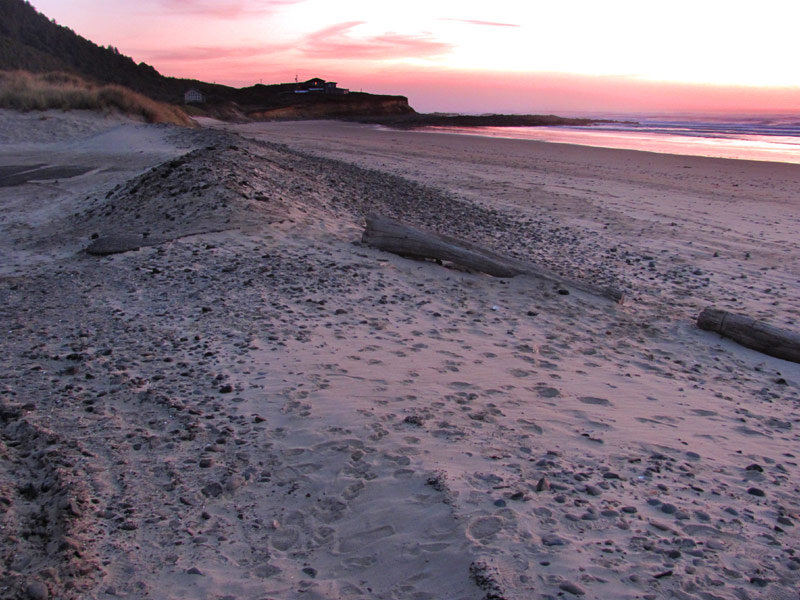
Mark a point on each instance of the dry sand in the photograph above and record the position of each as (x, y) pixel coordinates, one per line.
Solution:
(253, 405)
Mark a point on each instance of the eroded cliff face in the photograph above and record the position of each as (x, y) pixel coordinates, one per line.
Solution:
(344, 106)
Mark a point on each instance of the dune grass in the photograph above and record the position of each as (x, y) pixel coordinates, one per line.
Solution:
(25, 91)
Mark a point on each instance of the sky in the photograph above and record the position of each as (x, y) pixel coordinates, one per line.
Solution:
(524, 56)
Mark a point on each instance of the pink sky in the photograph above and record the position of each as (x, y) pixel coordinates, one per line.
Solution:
(571, 56)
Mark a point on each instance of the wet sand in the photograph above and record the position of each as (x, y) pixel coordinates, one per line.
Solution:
(259, 406)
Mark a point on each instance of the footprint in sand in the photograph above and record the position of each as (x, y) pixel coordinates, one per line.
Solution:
(704, 413)
(363, 538)
(548, 392)
(285, 538)
(595, 401)
(530, 426)
(483, 528)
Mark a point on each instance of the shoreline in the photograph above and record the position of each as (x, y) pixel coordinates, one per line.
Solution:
(276, 409)
(736, 149)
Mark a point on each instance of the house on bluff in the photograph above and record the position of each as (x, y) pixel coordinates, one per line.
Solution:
(194, 96)
(318, 86)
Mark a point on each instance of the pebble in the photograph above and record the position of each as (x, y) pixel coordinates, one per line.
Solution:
(234, 483)
(572, 588)
(213, 489)
(593, 490)
(36, 590)
(754, 491)
(668, 508)
(551, 539)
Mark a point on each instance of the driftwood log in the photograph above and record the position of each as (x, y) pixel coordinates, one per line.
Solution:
(396, 237)
(752, 333)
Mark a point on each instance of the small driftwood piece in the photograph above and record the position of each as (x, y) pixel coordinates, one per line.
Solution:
(118, 243)
(396, 237)
(752, 333)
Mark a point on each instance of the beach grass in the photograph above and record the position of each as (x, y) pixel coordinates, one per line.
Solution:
(26, 91)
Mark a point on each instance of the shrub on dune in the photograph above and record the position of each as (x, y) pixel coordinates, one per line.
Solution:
(25, 91)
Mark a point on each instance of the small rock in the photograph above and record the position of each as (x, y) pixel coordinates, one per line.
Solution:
(226, 388)
(663, 574)
(36, 590)
(234, 483)
(543, 485)
(754, 491)
(668, 508)
(593, 490)
(194, 571)
(572, 588)
(213, 489)
(551, 539)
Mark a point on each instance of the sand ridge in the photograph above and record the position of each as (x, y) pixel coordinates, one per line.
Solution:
(270, 409)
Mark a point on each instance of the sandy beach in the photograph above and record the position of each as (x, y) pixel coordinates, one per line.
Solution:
(255, 405)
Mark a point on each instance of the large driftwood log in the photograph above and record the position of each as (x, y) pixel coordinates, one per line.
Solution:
(396, 237)
(752, 333)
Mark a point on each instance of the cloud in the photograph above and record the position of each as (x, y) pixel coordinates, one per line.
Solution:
(336, 42)
(225, 10)
(201, 53)
(485, 23)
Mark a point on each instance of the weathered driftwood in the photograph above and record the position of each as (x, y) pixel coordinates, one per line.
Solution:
(752, 333)
(396, 237)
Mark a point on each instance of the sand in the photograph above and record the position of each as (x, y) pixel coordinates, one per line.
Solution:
(254, 405)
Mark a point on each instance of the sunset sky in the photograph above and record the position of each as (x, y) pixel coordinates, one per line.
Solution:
(584, 56)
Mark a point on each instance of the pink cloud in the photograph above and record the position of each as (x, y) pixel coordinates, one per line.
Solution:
(230, 10)
(337, 43)
(486, 23)
(202, 53)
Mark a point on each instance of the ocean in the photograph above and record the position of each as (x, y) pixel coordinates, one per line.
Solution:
(773, 138)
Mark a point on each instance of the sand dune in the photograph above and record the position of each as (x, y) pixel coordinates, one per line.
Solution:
(255, 405)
